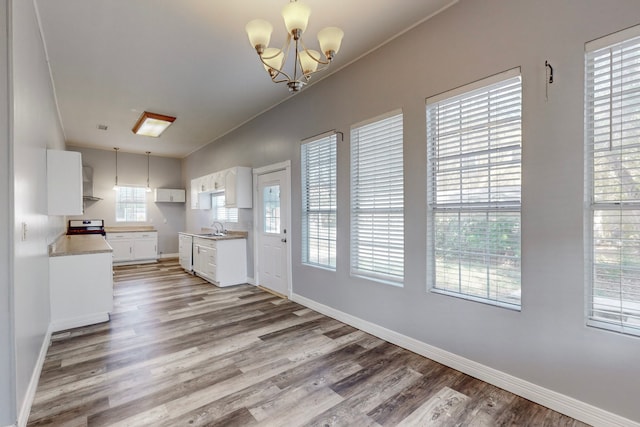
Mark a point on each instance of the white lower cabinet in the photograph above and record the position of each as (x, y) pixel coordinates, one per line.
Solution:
(221, 262)
(134, 247)
(81, 290)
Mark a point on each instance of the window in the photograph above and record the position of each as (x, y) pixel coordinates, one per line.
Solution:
(220, 212)
(271, 209)
(131, 204)
(612, 151)
(318, 164)
(377, 200)
(473, 190)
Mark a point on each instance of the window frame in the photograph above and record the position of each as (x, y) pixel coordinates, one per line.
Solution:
(596, 306)
(497, 203)
(393, 251)
(119, 202)
(324, 169)
(230, 215)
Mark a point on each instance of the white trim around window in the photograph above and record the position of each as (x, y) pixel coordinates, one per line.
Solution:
(377, 199)
(131, 204)
(474, 144)
(612, 181)
(318, 159)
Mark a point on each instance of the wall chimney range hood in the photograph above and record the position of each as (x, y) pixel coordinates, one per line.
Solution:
(87, 184)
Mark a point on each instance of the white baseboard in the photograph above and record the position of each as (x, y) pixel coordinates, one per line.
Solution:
(551, 399)
(251, 281)
(76, 322)
(25, 409)
(164, 256)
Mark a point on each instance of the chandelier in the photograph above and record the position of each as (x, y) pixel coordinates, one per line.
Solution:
(307, 61)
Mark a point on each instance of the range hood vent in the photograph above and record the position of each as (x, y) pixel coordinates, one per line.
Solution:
(87, 184)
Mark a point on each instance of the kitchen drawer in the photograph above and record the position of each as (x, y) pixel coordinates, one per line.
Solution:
(145, 234)
(114, 236)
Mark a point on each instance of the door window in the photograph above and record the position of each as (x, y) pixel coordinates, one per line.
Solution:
(271, 209)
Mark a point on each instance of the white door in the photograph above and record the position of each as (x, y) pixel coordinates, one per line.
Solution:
(272, 232)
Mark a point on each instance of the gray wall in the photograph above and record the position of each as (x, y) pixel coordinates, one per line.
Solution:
(164, 172)
(547, 343)
(35, 127)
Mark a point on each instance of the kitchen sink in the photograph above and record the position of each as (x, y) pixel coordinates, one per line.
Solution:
(211, 234)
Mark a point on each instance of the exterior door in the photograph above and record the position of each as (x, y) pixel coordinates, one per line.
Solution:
(273, 235)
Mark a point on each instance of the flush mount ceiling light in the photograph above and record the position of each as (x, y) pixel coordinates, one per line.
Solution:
(306, 62)
(152, 124)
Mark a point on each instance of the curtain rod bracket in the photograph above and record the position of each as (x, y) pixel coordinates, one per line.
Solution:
(547, 64)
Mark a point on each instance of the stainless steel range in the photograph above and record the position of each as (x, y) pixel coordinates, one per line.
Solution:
(86, 226)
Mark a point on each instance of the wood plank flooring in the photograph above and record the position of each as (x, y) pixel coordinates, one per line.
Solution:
(181, 352)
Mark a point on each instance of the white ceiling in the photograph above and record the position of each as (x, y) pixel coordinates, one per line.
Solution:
(112, 59)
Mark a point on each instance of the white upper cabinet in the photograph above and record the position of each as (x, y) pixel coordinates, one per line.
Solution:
(171, 195)
(64, 182)
(200, 199)
(238, 186)
(236, 183)
(194, 190)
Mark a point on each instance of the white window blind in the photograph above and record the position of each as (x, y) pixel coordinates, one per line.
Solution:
(131, 204)
(220, 212)
(377, 200)
(473, 191)
(612, 139)
(319, 201)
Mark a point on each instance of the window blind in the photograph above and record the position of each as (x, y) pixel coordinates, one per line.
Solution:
(612, 147)
(473, 191)
(377, 200)
(131, 204)
(319, 201)
(220, 212)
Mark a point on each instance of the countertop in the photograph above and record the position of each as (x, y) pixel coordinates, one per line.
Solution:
(79, 245)
(229, 236)
(129, 229)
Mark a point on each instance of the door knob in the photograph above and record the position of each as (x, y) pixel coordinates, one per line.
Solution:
(284, 240)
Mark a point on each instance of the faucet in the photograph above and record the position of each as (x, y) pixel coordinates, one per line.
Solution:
(215, 225)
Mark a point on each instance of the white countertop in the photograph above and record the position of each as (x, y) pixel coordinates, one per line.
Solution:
(79, 245)
(228, 236)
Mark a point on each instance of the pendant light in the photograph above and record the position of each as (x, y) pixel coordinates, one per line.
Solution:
(115, 187)
(148, 187)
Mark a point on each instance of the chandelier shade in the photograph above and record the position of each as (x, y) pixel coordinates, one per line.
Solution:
(330, 39)
(296, 16)
(309, 60)
(259, 32)
(273, 59)
(306, 61)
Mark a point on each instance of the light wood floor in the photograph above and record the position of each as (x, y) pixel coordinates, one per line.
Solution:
(179, 351)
